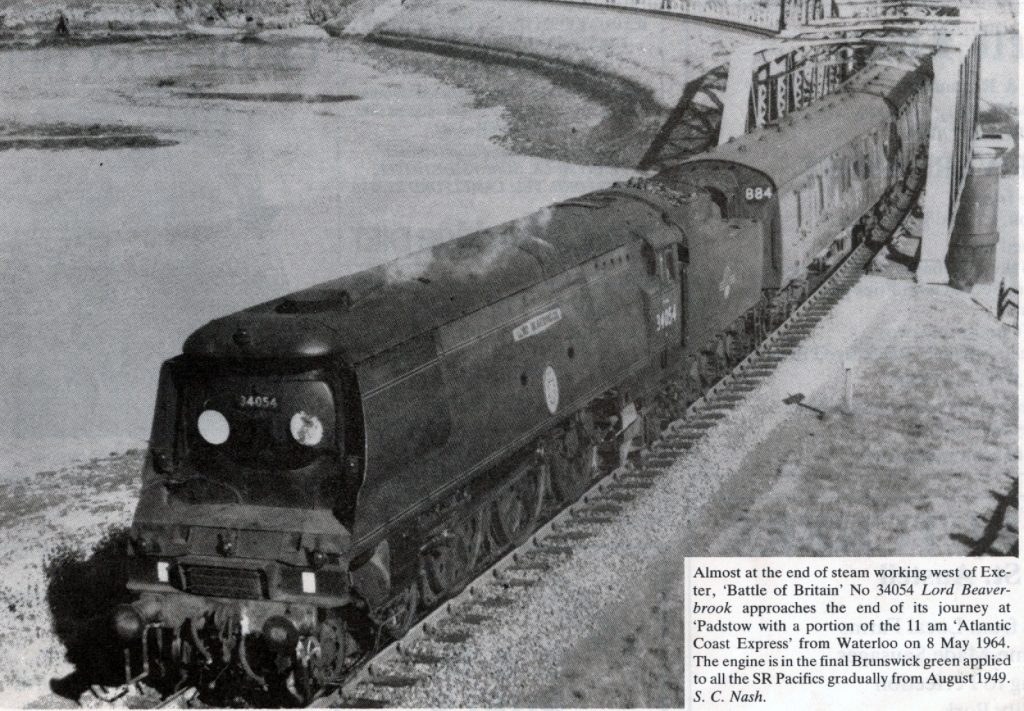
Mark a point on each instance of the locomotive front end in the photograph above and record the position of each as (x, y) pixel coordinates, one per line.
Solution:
(240, 543)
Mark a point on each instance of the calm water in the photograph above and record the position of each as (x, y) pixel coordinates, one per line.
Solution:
(108, 259)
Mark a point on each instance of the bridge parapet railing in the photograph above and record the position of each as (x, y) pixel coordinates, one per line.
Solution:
(870, 9)
(765, 16)
(798, 77)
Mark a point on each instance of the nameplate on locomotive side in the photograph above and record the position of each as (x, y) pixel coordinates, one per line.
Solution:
(537, 324)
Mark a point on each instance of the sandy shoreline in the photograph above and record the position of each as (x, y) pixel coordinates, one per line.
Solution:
(553, 110)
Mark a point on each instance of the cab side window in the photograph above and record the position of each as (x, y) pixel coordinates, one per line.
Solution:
(661, 264)
(667, 265)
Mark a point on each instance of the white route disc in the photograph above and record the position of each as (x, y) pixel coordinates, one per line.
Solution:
(551, 389)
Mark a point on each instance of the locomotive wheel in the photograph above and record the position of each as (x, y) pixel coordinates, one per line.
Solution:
(572, 464)
(517, 509)
(448, 563)
(398, 616)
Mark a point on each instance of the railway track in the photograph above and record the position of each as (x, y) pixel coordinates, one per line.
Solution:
(381, 679)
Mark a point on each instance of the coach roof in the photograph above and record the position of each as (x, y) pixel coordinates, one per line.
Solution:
(804, 138)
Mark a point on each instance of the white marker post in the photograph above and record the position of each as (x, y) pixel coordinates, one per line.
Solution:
(849, 363)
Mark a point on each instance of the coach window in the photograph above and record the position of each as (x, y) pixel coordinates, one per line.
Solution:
(799, 209)
(821, 193)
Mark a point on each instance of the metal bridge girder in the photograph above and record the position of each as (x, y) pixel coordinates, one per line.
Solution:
(693, 126)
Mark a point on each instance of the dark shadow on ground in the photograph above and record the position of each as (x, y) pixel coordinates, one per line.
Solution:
(1000, 535)
(82, 592)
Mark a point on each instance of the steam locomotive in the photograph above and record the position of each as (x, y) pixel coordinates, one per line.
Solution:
(326, 464)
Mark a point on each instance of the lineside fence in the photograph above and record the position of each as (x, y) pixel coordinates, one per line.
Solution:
(992, 16)
(771, 17)
(764, 16)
